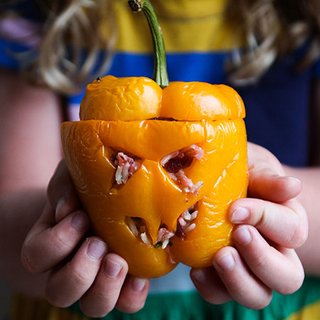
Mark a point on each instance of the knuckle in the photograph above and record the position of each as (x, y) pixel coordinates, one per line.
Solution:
(260, 261)
(80, 278)
(57, 292)
(62, 242)
(28, 260)
(262, 216)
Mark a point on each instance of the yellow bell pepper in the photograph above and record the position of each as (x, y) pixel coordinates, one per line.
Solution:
(156, 166)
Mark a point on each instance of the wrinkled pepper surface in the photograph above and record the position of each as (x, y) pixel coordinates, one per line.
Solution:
(157, 166)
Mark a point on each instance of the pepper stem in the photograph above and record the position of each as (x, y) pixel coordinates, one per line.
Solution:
(160, 74)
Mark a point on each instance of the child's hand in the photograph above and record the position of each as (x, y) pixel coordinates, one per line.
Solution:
(79, 265)
(271, 224)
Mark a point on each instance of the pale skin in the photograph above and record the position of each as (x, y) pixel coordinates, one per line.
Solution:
(47, 229)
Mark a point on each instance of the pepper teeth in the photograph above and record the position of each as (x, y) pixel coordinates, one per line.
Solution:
(185, 224)
(144, 237)
(186, 221)
(132, 226)
(164, 236)
(138, 228)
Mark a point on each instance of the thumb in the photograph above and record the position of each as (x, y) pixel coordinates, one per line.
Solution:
(61, 193)
(267, 185)
(267, 178)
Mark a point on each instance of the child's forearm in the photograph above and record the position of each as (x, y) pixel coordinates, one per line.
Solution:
(29, 152)
(19, 211)
(310, 198)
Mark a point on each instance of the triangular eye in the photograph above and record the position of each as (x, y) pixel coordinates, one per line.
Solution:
(181, 159)
(176, 162)
(126, 166)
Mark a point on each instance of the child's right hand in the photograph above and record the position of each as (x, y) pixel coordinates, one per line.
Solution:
(79, 265)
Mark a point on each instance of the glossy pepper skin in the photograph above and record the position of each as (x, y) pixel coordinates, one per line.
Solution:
(139, 118)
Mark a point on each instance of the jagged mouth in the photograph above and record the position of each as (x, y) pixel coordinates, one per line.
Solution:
(186, 222)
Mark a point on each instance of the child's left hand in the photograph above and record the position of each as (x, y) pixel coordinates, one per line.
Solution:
(270, 224)
(78, 265)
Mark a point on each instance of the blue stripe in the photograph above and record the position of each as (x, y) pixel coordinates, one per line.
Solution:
(282, 126)
(205, 67)
(9, 51)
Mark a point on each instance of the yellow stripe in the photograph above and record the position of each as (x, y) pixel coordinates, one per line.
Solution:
(311, 312)
(187, 25)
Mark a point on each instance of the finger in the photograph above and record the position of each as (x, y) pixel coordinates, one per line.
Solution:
(210, 286)
(133, 295)
(46, 246)
(279, 269)
(266, 184)
(69, 283)
(102, 297)
(61, 192)
(242, 286)
(286, 224)
(259, 158)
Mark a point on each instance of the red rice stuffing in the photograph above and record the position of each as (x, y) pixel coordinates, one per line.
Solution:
(125, 167)
(175, 162)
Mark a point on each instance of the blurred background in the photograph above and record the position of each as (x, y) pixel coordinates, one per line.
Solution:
(4, 301)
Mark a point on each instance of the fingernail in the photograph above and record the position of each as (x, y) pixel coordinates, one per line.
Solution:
(80, 221)
(61, 210)
(242, 235)
(292, 180)
(112, 268)
(96, 249)
(138, 284)
(225, 262)
(295, 179)
(240, 214)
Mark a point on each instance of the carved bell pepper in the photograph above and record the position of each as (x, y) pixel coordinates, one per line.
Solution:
(156, 165)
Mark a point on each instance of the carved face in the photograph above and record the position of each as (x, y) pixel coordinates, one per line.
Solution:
(157, 190)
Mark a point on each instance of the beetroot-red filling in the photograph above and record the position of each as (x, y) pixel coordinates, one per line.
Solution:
(175, 162)
(181, 161)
